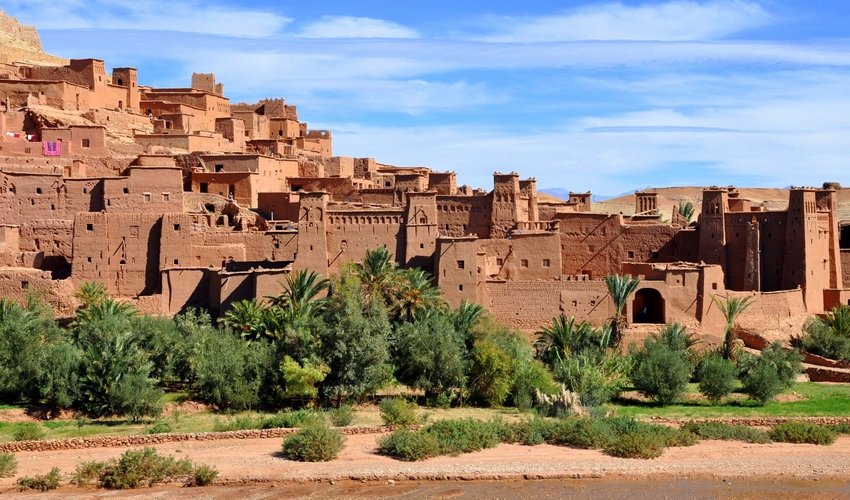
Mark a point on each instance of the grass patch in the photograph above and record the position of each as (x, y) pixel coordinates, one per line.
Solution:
(28, 431)
(8, 465)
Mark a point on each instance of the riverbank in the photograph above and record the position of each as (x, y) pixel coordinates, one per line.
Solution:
(256, 465)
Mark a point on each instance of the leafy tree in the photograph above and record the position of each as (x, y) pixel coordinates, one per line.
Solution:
(596, 376)
(301, 379)
(467, 316)
(431, 355)
(620, 288)
(731, 308)
(247, 318)
(661, 372)
(493, 373)
(59, 382)
(355, 342)
(24, 334)
(828, 336)
(716, 378)
(159, 338)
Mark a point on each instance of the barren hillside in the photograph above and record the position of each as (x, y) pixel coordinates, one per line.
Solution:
(21, 44)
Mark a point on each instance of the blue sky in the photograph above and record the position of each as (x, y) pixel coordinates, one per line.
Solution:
(601, 96)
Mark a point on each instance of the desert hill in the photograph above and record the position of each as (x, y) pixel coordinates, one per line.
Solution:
(670, 197)
(21, 44)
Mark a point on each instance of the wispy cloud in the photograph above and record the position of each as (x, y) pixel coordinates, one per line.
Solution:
(191, 16)
(670, 21)
(355, 27)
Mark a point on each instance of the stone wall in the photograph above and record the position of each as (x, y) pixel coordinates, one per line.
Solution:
(154, 439)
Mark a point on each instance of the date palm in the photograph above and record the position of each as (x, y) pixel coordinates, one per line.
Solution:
(301, 294)
(379, 276)
(620, 288)
(732, 308)
(416, 294)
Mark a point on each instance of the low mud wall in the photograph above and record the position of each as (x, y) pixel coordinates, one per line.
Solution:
(154, 439)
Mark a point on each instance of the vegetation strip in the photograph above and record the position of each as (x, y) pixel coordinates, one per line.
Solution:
(152, 439)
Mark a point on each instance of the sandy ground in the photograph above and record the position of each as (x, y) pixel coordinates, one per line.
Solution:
(252, 468)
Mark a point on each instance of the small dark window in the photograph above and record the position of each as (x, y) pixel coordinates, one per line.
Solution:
(546, 263)
(120, 81)
(714, 286)
(89, 227)
(126, 190)
(147, 197)
(460, 287)
(204, 187)
(175, 262)
(460, 264)
(165, 196)
(122, 262)
(631, 255)
(176, 227)
(25, 285)
(422, 245)
(38, 190)
(85, 191)
(276, 244)
(654, 255)
(523, 262)
(88, 259)
(499, 262)
(86, 143)
(280, 132)
(219, 168)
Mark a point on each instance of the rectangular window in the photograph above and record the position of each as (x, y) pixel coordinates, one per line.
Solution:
(546, 263)
(165, 196)
(204, 187)
(219, 168)
(25, 285)
(89, 227)
(176, 227)
(500, 262)
(126, 190)
(460, 288)
(176, 262)
(86, 143)
(38, 190)
(147, 197)
(523, 263)
(88, 259)
(631, 255)
(460, 264)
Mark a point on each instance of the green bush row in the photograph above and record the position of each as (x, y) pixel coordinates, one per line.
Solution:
(142, 467)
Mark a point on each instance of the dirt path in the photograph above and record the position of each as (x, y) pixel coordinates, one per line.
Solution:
(243, 462)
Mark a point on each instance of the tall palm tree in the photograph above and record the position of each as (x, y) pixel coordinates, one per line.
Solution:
(300, 295)
(416, 294)
(91, 293)
(838, 320)
(102, 310)
(246, 317)
(620, 288)
(379, 275)
(687, 210)
(731, 308)
(466, 316)
(564, 338)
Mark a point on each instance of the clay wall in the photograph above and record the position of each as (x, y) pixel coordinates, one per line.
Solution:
(444, 183)
(80, 140)
(256, 126)
(215, 106)
(351, 232)
(283, 128)
(233, 130)
(364, 167)
(28, 197)
(845, 265)
(378, 196)
(185, 288)
(153, 143)
(278, 205)
(524, 257)
(322, 146)
(339, 166)
(15, 282)
(52, 240)
(238, 186)
(340, 188)
(464, 215)
(457, 269)
(59, 95)
(120, 250)
(598, 244)
(149, 189)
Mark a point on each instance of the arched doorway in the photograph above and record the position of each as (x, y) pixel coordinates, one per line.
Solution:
(648, 307)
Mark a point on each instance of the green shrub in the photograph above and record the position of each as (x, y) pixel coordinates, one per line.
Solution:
(661, 372)
(582, 432)
(342, 416)
(86, 472)
(843, 428)
(643, 445)
(160, 428)
(8, 465)
(726, 432)
(802, 432)
(41, 482)
(716, 378)
(202, 475)
(145, 467)
(27, 432)
(465, 435)
(316, 442)
(530, 432)
(765, 376)
(409, 446)
(818, 338)
(397, 411)
(288, 419)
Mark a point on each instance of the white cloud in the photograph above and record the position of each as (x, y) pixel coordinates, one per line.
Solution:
(670, 21)
(191, 16)
(356, 27)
